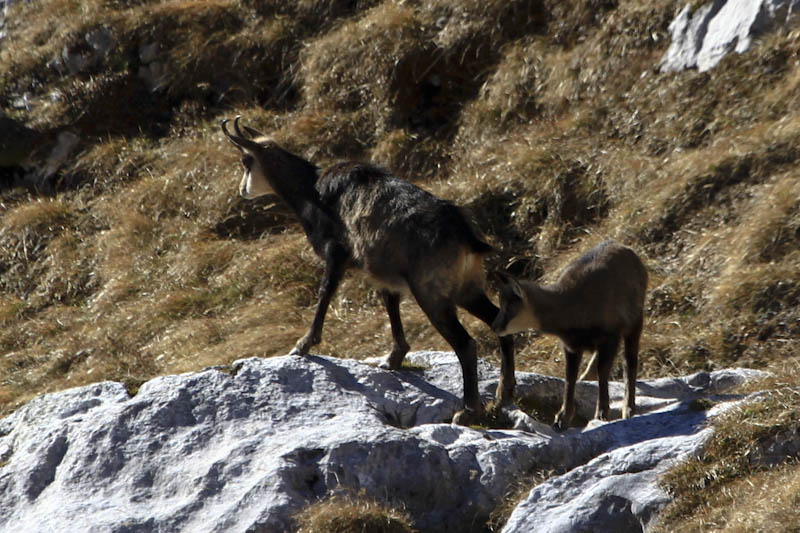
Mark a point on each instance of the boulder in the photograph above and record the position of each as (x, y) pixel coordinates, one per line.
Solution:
(85, 52)
(702, 36)
(246, 448)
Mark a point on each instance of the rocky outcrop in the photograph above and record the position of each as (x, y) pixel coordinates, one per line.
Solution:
(702, 36)
(244, 449)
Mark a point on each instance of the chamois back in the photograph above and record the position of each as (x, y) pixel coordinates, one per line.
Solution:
(604, 288)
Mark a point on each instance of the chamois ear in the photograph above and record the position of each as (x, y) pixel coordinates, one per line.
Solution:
(252, 132)
(507, 280)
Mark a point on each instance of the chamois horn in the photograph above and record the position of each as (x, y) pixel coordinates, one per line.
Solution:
(238, 139)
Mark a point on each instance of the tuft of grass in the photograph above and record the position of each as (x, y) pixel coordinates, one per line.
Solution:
(412, 367)
(132, 385)
(202, 302)
(748, 440)
(352, 514)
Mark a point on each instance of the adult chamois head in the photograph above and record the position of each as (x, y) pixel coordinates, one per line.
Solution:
(406, 240)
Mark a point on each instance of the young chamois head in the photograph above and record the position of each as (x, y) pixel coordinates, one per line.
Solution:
(596, 303)
(516, 311)
(265, 162)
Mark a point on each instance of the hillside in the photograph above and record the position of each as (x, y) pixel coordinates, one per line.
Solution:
(125, 252)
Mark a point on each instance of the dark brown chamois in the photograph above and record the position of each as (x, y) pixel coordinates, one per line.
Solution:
(597, 301)
(359, 216)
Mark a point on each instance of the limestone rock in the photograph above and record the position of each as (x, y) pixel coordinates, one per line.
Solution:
(701, 37)
(247, 449)
(85, 52)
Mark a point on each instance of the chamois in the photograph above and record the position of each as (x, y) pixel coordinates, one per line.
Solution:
(597, 300)
(359, 216)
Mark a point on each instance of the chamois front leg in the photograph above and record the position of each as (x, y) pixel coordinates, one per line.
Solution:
(335, 261)
(480, 306)
(567, 411)
(631, 366)
(442, 314)
(391, 301)
(605, 357)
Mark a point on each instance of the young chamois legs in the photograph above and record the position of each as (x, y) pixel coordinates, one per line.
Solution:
(567, 411)
(334, 270)
(483, 308)
(391, 301)
(605, 358)
(630, 370)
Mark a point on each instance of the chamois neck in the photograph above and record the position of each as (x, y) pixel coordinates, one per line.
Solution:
(317, 219)
(298, 189)
(545, 302)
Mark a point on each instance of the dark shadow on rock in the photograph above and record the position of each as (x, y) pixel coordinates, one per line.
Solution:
(393, 378)
(684, 420)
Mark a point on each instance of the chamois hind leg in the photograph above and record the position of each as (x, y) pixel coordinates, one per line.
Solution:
(442, 314)
(631, 369)
(391, 300)
(605, 357)
(567, 411)
(483, 308)
(334, 270)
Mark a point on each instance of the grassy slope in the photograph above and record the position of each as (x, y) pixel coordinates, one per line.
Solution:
(546, 118)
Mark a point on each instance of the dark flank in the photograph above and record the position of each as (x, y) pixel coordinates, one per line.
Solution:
(406, 240)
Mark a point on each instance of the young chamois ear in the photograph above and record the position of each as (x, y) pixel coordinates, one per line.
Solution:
(254, 181)
(507, 280)
(515, 314)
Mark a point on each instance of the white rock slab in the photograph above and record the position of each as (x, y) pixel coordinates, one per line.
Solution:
(215, 451)
(703, 36)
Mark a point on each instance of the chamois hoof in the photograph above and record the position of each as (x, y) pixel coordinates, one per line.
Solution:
(391, 363)
(299, 351)
(467, 417)
(561, 422)
(304, 344)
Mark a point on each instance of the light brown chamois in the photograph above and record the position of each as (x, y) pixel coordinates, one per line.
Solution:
(359, 216)
(597, 301)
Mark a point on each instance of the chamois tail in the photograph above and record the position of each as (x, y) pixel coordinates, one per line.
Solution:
(471, 236)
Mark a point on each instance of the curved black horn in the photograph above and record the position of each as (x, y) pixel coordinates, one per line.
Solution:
(238, 140)
(236, 127)
(224, 126)
(250, 131)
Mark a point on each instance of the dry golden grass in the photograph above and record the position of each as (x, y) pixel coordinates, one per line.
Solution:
(352, 514)
(546, 119)
(739, 464)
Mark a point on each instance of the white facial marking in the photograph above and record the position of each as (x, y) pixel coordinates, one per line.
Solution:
(523, 321)
(253, 184)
